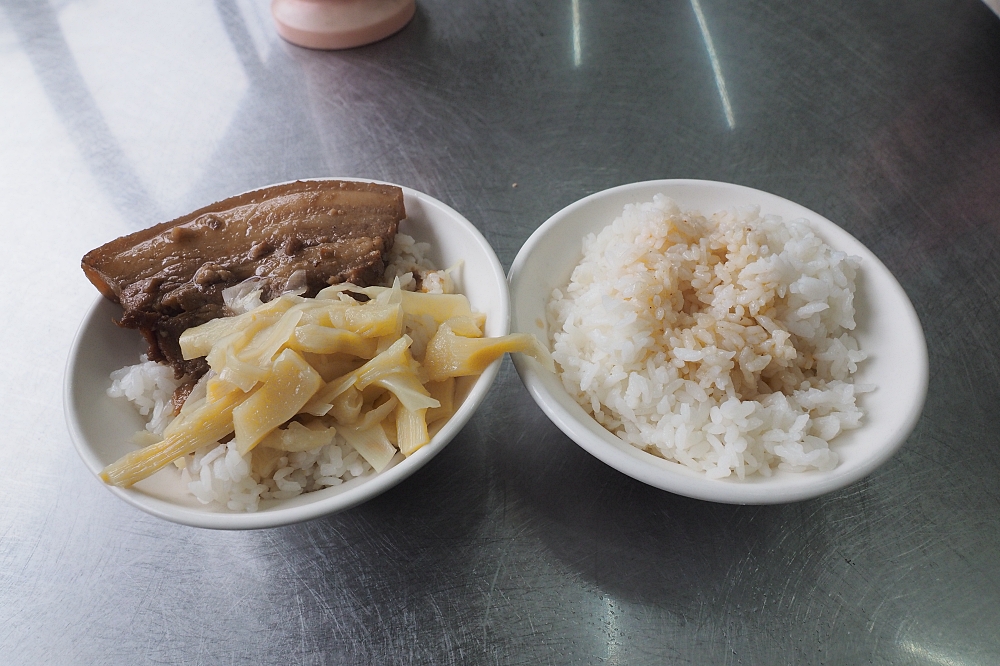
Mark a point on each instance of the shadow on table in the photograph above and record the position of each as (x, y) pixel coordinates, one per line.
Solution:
(645, 545)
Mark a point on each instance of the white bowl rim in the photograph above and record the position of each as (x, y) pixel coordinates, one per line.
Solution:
(280, 516)
(675, 477)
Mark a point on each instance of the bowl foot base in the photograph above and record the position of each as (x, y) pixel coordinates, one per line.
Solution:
(340, 24)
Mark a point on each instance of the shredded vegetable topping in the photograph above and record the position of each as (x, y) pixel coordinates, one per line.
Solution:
(289, 374)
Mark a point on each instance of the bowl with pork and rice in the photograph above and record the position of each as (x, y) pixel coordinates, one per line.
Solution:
(212, 488)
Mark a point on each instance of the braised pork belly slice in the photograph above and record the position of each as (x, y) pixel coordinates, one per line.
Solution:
(170, 277)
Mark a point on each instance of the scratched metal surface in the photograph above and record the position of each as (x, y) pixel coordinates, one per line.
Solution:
(513, 546)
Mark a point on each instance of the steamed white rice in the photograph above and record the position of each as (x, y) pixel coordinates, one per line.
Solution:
(218, 474)
(720, 342)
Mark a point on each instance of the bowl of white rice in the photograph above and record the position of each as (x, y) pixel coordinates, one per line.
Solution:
(719, 342)
(106, 386)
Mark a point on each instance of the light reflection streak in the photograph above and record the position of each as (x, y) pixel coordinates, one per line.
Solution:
(720, 82)
(613, 631)
(928, 654)
(167, 110)
(577, 52)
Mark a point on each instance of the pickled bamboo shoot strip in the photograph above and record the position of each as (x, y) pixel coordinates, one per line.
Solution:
(451, 355)
(291, 384)
(205, 425)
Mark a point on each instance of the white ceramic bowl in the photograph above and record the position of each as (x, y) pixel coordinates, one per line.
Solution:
(888, 329)
(101, 427)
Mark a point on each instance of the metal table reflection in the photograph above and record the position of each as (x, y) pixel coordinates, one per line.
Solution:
(512, 546)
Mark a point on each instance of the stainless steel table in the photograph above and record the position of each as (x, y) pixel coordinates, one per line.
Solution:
(514, 545)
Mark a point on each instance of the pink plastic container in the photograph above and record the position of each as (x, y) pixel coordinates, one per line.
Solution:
(340, 24)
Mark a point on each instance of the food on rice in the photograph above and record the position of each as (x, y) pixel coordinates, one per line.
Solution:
(306, 393)
(720, 342)
(308, 234)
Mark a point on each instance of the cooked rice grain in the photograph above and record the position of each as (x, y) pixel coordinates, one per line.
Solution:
(720, 343)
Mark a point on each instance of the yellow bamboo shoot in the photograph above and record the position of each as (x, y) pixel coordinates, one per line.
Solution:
(297, 437)
(440, 306)
(411, 429)
(371, 443)
(377, 414)
(466, 327)
(346, 407)
(198, 341)
(374, 320)
(265, 346)
(291, 384)
(451, 355)
(205, 425)
(385, 363)
(408, 389)
(319, 339)
(444, 392)
(264, 462)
